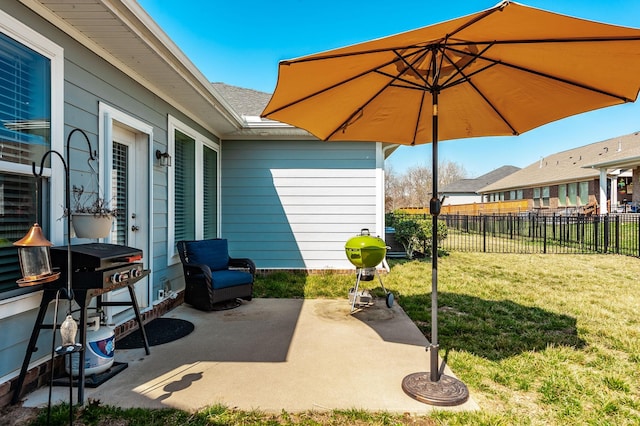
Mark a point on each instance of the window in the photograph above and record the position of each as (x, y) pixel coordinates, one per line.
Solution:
(120, 178)
(584, 193)
(194, 203)
(519, 194)
(185, 189)
(562, 195)
(572, 189)
(210, 188)
(541, 197)
(31, 81)
(536, 197)
(545, 196)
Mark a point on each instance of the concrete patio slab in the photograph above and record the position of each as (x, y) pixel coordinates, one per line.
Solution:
(273, 355)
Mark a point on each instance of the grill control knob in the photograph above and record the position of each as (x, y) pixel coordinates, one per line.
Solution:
(134, 273)
(117, 277)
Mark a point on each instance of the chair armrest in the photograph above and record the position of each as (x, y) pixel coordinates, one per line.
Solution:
(196, 269)
(245, 263)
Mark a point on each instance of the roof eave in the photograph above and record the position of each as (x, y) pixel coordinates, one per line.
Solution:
(621, 163)
(192, 93)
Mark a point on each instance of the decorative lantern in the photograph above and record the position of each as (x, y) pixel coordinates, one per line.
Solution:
(35, 258)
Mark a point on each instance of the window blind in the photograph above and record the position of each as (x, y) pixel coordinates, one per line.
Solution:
(185, 220)
(25, 104)
(210, 196)
(119, 200)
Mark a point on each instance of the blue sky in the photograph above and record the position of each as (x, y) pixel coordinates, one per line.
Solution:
(241, 42)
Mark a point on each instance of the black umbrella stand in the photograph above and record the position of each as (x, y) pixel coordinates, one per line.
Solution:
(435, 388)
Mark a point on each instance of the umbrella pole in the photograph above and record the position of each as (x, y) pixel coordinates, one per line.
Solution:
(434, 209)
(435, 388)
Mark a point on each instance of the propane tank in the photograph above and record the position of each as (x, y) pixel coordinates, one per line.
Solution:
(99, 351)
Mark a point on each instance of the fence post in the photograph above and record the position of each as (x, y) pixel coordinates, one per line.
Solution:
(544, 233)
(617, 234)
(596, 228)
(484, 234)
(511, 225)
(637, 220)
(606, 231)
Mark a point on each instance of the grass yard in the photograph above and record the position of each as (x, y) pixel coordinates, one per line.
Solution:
(538, 339)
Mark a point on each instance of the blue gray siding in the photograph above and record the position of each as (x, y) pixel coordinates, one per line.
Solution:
(89, 80)
(289, 204)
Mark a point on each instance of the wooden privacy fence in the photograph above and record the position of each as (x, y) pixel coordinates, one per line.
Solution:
(531, 233)
(476, 209)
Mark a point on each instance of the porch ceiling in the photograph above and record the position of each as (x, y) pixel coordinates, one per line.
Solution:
(122, 33)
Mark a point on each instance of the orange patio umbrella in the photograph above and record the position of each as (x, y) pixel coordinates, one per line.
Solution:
(501, 71)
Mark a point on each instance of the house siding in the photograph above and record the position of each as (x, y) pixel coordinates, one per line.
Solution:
(89, 80)
(293, 204)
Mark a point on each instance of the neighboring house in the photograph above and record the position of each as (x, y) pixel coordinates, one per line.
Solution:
(465, 191)
(602, 173)
(280, 196)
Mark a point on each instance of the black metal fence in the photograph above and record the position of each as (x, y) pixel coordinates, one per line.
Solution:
(531, 233)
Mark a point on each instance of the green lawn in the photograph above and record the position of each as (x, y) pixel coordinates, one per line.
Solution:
(538, 339)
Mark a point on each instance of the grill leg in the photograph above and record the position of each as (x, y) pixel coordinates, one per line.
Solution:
(355, 291)
(47, 296)
(134, 301)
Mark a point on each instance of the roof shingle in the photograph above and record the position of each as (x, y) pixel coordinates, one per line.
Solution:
(570, 166)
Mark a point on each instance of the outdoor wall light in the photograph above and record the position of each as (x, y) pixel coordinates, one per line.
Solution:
(164, 157)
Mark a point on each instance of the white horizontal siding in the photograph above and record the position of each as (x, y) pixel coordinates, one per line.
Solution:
(295, 204)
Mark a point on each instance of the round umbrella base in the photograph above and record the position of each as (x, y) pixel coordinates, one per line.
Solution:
(446, 392)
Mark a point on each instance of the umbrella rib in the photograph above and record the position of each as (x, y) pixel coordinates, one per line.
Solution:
(497, 8)
(559, 79)
(328, 88)
(467, 79)
(460, 70)
(493, 107)
(415, 130)
(549, 40)
(318, 57)
(358, 111)
(410, 65)
(524, 69)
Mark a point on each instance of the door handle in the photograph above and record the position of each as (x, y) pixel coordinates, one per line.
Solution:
(135, 228)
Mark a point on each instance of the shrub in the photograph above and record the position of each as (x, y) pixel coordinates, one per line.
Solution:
(416, 234)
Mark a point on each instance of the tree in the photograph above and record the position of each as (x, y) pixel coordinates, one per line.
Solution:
(413, 188)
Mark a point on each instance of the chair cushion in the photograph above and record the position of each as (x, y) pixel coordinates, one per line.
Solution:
(230, 278)
(213, 253)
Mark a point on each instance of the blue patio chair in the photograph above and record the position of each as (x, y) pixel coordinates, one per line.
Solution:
(212, 278)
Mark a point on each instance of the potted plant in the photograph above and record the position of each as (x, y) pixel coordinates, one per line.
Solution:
(91, 217)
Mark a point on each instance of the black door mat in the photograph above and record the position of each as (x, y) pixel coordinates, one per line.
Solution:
(159, 331)
(93, 380)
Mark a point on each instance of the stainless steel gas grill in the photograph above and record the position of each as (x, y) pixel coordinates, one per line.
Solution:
(97, 268)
